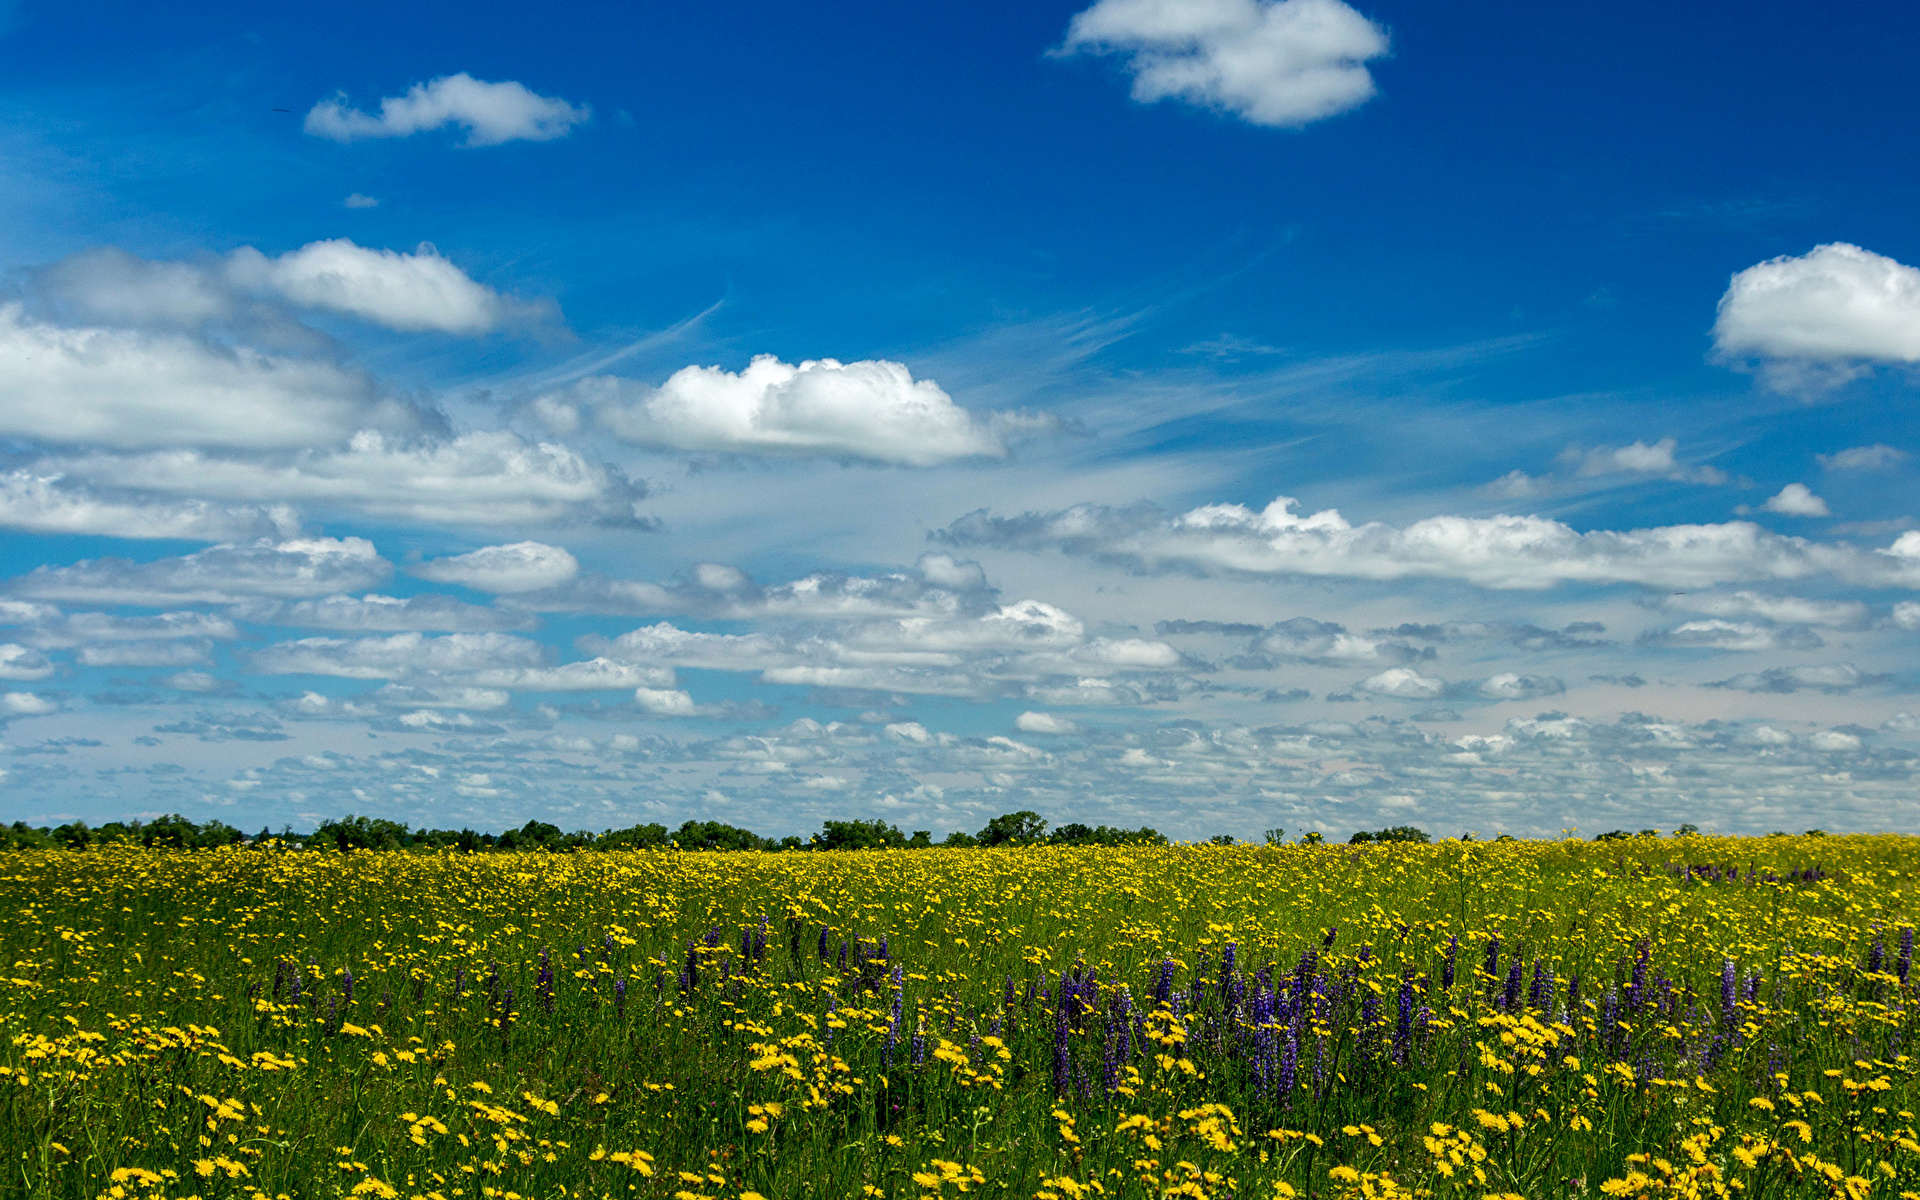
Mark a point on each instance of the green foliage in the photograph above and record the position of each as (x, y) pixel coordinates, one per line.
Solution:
(1014, 829)
(858, 835)
(1393, 833)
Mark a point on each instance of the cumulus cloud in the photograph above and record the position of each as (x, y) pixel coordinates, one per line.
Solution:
(130, 389)
(1906, 614)
(873, 411)
(1834, 677)
(1040, 722)
(42, 502)
(1794, 610)
(1511, 686)
(1286, 63)
(414, 292)
(428, 613)
(1877, 457)
(53, 630)
(519, 567)
(25, 704)
(143, 654)
(489, 478)
(1493, 552)
(1717, 634)
(1303, 639)
(1404, 683)
(1831, 309)
(225, 574)
(1796, 500)
(400, 656)
(938, 585)
(21, 664)
(592, 675)
(491, 113)
(1645, 460)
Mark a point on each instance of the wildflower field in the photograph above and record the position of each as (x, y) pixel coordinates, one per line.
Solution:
(1644, 1016)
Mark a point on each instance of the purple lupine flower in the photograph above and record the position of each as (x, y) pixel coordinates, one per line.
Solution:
(606, 948)
(1729, 991)
(620, 994)
(1637, 984)
(1904, 965)
(1331, 934)
(973, 1049)
(346, 983)
(746, 944)
(1110, 1061)
(1121, 1008)
(1446, 971)
(1573, 996)
(1877, 956)
(1610, 1017)
(1403, 1023)
(883, 948)
(1288, 1077)
(1540, 994)
(833, 1006)
(1511, 1000)
(843, 954)
(543, 984)
(893, 1031)
(1493, 956)
(760, 940)
(1163, 986)
(1006, 996)
(1369, 1022)
(823, 943)
(690, 978)
(919, 1039)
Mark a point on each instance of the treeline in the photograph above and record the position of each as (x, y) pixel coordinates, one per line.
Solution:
(372, 833)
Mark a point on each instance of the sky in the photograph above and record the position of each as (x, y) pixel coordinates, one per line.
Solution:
(1220, 415)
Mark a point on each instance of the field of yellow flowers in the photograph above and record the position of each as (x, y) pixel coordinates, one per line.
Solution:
(1648, 1016)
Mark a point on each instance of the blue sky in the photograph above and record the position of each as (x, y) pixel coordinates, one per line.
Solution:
(426, 413)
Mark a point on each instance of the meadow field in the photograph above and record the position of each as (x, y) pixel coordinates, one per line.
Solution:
(1658, 1016)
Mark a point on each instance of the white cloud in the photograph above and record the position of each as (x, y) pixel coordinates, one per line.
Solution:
(356, 200)
(1494, 552)
(227, 574)
(412, 292)
(17, 662)
(665, 703)
(1404, 683)
(143, 654)
(1040, 722)
(519, 567)
(401, 695)
(398, 657)
(1280, 64)
(61, 632)
(1303, 639)
(42, 503)
(1837, 304)
(417, 292)
(1834, 740)
(1877, 457)
(132, 390)
(1511, 686)
(25, 704)
(1792, 610)
(870, 410)
(1717, 634)
(488, 478)
(593, 675)
(1797, 500)
(429, 613)
(1834, 677)
(1906, 614)
(937, 586)
(491, 113)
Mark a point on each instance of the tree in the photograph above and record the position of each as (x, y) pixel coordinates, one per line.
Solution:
(716, 835)
(650, 836)
(1612, 835)
(857, 835)
(1312, 837)
(960, 839)
(1018, 829)
(921, 839)
(1275, 837)
(1221, 839)
(1687, 830)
